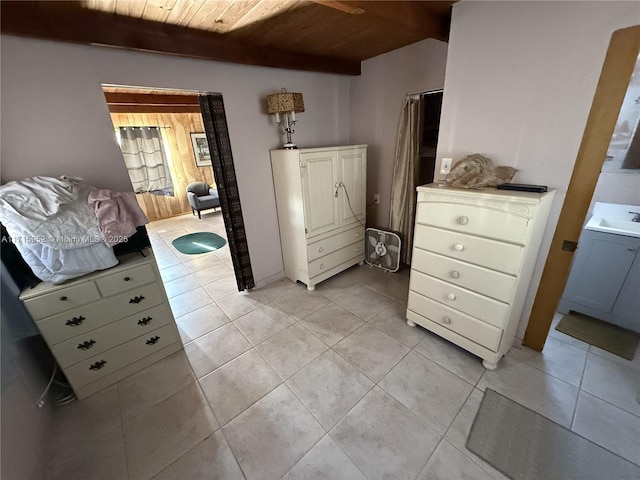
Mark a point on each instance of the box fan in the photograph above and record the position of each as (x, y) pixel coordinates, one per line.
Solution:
(382, 249)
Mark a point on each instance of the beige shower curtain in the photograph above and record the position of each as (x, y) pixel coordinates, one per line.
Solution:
(405, 173)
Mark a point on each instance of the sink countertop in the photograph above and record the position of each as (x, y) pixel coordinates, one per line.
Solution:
(614, 218)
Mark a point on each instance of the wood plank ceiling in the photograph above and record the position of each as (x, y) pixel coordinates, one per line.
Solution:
(318, 35)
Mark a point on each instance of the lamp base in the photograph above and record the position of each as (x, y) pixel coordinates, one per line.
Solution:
(290, 146)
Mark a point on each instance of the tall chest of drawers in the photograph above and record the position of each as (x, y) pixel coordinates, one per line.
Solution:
(106, 325)
(473, 257)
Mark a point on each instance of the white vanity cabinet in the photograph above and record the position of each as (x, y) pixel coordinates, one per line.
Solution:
(107, 325)
(320, 197)
(473, 257)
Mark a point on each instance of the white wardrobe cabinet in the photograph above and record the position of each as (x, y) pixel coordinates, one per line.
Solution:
(473, 257)
(320, 197)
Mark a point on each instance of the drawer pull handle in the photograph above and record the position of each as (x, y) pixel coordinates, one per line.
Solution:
(446, 320)
(463, 220)
(357, 249)
(153, 340)
(321, 266)
(357, 234)
(320, 250)
(458, 247)
(455, 274)
(75, 321)
(98, 365)
(86, 345)
(144, 321)
(136, 299)
(451, 296)
(63, 299)
(126, 279)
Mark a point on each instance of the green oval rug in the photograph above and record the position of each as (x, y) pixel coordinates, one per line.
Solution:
(196, 243)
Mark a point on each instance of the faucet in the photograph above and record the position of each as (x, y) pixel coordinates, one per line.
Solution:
(636, 217)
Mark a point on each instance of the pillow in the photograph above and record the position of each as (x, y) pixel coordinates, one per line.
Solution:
(475, 171)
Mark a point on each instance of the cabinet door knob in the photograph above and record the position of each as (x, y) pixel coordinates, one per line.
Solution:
(357, 234)
(63, 299)
(322, 266)
(446, 320)
(126, 279)
(459, 247)
(320, 250)
(631, 249)
(463, 220)
(455, 274)
(451, 296)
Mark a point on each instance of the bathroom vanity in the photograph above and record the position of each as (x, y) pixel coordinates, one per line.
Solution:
(605, 276)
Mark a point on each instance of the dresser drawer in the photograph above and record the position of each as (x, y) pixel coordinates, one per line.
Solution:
(503, 257)
(75, 322)
(61, 300)
(475, 330)
(97, 341)
(479, 279)
(323, 247)
(334, 259)
(125, 280)
(112, 360)
(475, 220)
(478, 306)
(135, 300)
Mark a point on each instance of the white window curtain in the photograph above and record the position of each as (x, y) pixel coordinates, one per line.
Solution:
(405, 173)
(146, 161)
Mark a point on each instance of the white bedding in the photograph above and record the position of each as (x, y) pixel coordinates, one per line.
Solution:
(54, 228)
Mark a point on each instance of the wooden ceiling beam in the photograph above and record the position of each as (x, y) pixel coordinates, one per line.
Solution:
(68, 21)
(411, 15)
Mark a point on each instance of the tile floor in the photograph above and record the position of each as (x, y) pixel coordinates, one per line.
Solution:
(332, 384)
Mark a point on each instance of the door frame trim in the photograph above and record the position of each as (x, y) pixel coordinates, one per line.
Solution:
(612, 86)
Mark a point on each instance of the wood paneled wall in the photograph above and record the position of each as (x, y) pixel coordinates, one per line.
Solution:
(176, 130)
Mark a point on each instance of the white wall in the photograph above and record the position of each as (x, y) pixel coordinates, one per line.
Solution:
(55, 120)
(376, 100)
(520, 80)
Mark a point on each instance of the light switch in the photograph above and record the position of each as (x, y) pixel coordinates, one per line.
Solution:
(445, 166)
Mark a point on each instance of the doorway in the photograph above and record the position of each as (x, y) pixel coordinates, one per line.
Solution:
(432, 107)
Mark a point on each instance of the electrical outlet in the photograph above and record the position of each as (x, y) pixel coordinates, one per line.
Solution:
(445, 166)
(376, 198)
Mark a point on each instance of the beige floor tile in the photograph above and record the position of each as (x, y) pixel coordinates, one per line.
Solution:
(542, 393)
(448, 463)
(325, 460)
(85, 420)
(173, 272)
(450, 356)
(263, 323)
(371, 351)
(202, 262)
(393, 322)
(214, 349)
(608, 426)
(234, 387)
(181, 285)
(329, 387)
(428, 390)
(211, 458)
(222, 288)
(364, 302)
(290, 350)
(168, 260)
(384, 439)
(211, 274)
(613, 382)
(279, 289)
(336, 286)
(300, 302)
(241, 303)
(331, 323)
(162, 434)
(562, 360)
(272, 435)
(459, 432)
(99, 459)
(155, 383)
(200, 322)
(189, 301)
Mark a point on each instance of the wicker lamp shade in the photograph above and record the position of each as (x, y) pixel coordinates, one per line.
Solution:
(285, 102)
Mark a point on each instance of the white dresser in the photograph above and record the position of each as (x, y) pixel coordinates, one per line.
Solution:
(106, 325)
(473, 257)
(320, 197)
